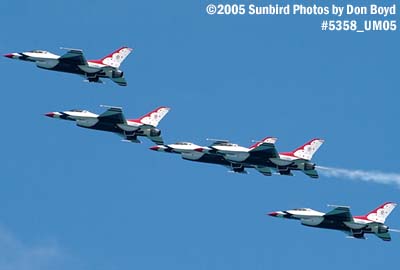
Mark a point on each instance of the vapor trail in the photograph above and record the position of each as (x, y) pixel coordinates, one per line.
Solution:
(367, 176)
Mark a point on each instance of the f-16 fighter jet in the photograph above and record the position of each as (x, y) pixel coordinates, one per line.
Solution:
(74, 62)
(113, 120)
(230, 159)
(265, 157)
(341, 219)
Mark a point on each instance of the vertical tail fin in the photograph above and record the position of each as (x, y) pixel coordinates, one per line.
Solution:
(307, 150)
(381, 213)
(115, 58)
(154, 117)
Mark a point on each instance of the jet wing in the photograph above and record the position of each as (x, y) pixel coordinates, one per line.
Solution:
(265, 149)
(113, 115)
(340, 214)
(73, 56)
(311, 173)
(157, 140)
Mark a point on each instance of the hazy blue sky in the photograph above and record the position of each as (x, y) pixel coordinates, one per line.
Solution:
(79, 199)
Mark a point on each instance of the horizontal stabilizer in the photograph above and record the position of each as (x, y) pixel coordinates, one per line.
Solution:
(120, 81)
(311, 173)
(156, 139)
(384, 236)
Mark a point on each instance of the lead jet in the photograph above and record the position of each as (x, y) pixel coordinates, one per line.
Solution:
(75, 62)
(194, 152)
(341, 219)
(113, 120)
(266, 158)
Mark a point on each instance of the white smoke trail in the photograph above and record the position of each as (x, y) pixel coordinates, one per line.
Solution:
(367, 176)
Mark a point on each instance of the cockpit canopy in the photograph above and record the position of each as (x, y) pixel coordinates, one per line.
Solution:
(224, 143)
(301, 209)
(77, 110)
(183, 143)
(38, 51)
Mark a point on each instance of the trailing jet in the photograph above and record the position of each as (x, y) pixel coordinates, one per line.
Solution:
(341, 219)
(265, 157)
(194, 152)
(74, 62)
(113, 120)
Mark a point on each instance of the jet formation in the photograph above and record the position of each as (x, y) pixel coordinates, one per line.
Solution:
(261, 156)
(75, 62)
(341, 219)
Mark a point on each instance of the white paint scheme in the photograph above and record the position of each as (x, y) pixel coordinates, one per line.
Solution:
(38, 55)
(304, 212)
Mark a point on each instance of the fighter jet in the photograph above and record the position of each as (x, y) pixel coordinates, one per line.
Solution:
(265, 157)
(341, 219)
(74, 62)
(204, 154)
(113, 120)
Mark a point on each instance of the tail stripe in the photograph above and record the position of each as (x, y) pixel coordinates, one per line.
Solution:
(381, 213)
(152, 118)
(115, 58)
(308, 150)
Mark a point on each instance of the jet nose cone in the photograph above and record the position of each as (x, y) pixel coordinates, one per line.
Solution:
(9, 55)
(50, 114)
(155, 148)
(273, 214)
